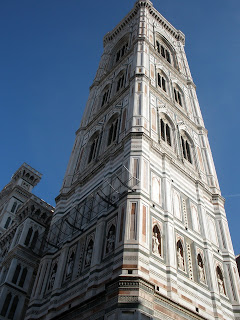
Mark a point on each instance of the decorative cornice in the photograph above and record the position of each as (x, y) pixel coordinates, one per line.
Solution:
(177, 34)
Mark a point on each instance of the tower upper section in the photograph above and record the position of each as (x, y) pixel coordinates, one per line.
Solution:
(144, 85)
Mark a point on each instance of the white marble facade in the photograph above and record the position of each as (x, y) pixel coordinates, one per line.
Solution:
(139, 230)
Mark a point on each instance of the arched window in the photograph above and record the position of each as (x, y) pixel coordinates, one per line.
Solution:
(120, 82)
(220, 281)
(121, 52)
(178, 96)
(156, 241)
(180, 257)
(16, 274)
(186, 149)
(112, 133)
(23, 277)
(34, 239)
(6, 304)
(161, 81)
(163, 51)
(111, 239)
(7, 223)
(14, 206)
(105, 96)
(165, 132)
(28, 237)
(13, 307)
(94, 141)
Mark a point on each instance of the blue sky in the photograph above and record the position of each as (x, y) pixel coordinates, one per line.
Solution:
(50, 50)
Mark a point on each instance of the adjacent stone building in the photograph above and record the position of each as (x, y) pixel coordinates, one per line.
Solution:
(139, 230)
(24, 222)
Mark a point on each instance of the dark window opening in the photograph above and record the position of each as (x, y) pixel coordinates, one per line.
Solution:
(34, 240)
(162, 130)
(105, 97)
(163, 52)
(162, 82)
(186, 150)
(112, 135)
(16, 274)
(121, 52)
(23, 277)
(168, 135)
(28, 237)
(7, 223)
(93, 150)
(13, 308)
(6, 304)
(165, 132)
(14, 207)
(120, 83)
(178, 97)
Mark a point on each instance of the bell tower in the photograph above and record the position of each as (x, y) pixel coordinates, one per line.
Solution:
(139, 230)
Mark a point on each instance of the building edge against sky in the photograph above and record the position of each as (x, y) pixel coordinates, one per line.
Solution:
(139, 230)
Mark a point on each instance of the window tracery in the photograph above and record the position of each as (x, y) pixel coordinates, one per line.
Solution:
(94, 141)
(186, 149)
(163, 51)
(165, 132)
(112, 133)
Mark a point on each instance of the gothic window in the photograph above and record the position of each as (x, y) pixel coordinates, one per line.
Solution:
(178, 96)
(156, 241)
(28, 237)
(89, 252)
(93, 148)
(7, 223)
(163, 51)
(105, 96)
(13, 308)
(14, 207)
(34, 239)
(6, 304)
(23, 277)
(165, 132)
(111, 239)
(200, 268)
(186, 149)
(16, 274)
(221, 286)
(180, 257)
(112, 133)
(161, 81)
(120, 82)
(121, 52)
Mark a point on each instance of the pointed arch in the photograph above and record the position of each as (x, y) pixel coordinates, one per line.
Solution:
(93, 146)
(187, 145)
(28, 237)
(6, 304)
(166, 50)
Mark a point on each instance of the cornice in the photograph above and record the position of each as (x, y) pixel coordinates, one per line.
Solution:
(177, 34)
